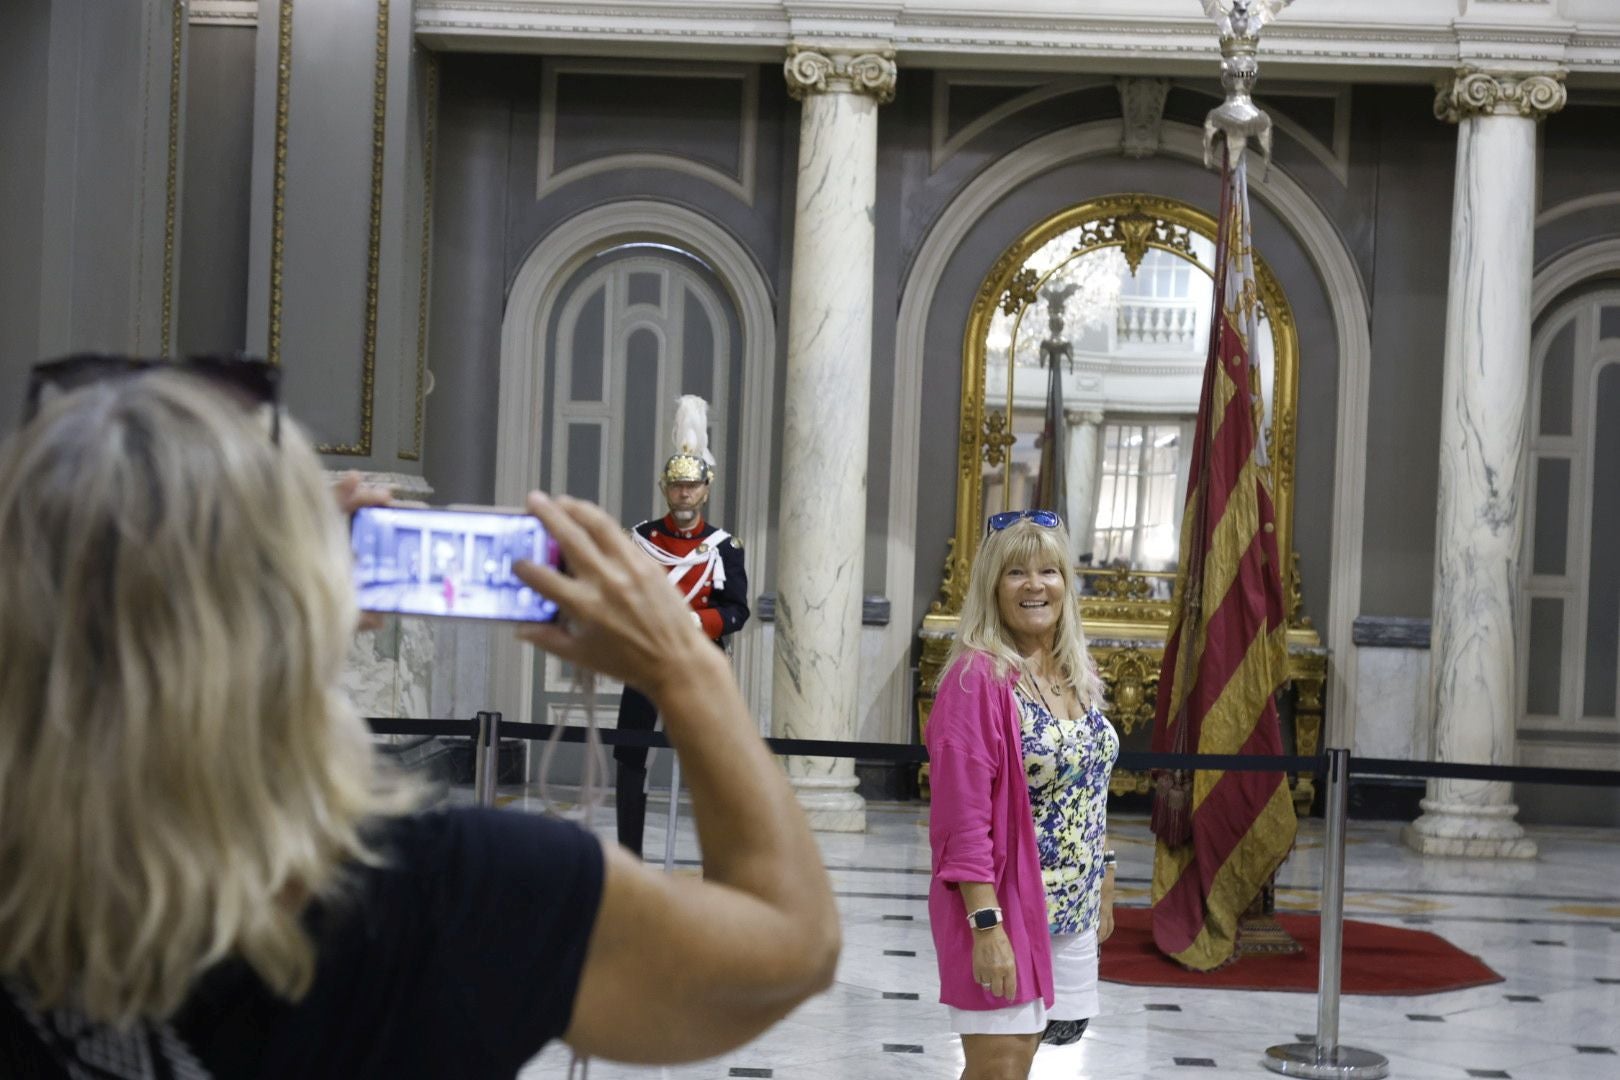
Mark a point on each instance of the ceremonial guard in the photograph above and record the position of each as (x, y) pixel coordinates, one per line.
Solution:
(706, 564)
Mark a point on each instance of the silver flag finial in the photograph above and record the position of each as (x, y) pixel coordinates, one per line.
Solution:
(1238, 119)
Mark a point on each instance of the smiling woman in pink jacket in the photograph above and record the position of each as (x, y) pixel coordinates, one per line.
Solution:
(1023, 884)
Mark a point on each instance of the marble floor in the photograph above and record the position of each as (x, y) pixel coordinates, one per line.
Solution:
(1550, 926)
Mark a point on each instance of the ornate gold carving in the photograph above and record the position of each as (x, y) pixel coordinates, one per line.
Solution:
(278, 195)
(1472, 92)
(947, 586)
(1131, 680)
(1296, 595)
(1129, 782)
(177, 21)
(1121, 584)
(1309, 676)
(1021, 292)
(809, 71)
(368, 353)
(996, 438)
(430, 93)
(1135, 223)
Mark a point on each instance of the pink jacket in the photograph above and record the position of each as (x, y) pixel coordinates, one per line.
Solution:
(982, 829)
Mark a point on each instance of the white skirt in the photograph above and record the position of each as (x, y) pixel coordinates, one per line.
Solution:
(1074, 993)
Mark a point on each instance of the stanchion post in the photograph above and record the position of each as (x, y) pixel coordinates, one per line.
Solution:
(480, 772)
(1325, 1059)
(490, 753)
(674, 810)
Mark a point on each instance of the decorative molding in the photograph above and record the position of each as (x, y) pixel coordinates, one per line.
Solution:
(368, 351)
(524, 364)
(809, 71)
(1473, 92)
(742, 186)
(1390, 632)
(943, 143)
(171, 193)
(278, 199)
(244, 13)
(1577, 206)
(1369, 36)
(1570, 269)
(430, 93)
(875, 609)
(1346, 297)
(1141, 103)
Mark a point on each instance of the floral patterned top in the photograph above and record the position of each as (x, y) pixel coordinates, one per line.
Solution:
(1067, 763)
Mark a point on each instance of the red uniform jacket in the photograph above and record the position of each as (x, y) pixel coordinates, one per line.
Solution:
(706, 565)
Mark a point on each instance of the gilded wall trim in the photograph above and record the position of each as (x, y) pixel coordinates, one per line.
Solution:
(278, 200)
(430, 90)
(177, 20)
(368, 363)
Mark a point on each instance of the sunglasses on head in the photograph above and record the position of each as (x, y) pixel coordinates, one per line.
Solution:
(252, 381)
(1046, 519)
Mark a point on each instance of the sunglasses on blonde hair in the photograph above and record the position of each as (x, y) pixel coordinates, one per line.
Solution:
(1046, 519)
(252, 381)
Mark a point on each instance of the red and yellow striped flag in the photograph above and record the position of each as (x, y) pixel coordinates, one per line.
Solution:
(1227, 651)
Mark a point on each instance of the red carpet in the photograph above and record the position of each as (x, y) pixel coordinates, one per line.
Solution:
(1377, 960)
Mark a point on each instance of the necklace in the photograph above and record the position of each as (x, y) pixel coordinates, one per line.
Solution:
(1041, 693)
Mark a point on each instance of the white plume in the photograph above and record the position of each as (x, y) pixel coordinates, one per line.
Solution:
(691, 432)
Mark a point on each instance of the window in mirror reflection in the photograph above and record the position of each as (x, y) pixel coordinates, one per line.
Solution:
(1138, 516)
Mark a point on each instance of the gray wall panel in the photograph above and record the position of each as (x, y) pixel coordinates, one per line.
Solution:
(211, 306)
(24, 39)
(1416, 156)
(469, 279)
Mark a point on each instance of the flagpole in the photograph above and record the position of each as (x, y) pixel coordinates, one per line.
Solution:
(1230, 126)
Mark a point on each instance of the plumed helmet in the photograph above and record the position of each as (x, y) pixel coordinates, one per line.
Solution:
(691, 463)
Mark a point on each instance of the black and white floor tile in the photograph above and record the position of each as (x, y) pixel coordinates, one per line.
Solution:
(1551, 927)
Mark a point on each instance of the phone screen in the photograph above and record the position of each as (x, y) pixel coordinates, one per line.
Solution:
(429, 561)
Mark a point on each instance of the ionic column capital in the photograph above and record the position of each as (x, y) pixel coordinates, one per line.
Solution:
(810, 71)
(1093, 417)
(1474, 92)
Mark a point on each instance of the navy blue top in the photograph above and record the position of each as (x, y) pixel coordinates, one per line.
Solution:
(459, 958)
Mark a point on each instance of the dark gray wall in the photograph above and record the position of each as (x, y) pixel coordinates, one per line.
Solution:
(487, 219)
(24, 36)
(211, 307)
(1415, 157)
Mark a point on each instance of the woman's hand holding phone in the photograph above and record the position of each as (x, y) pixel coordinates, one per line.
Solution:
(621, 615)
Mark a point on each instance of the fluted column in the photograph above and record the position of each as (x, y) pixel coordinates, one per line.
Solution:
(1473, 651)
(820, 561)
(1081, 472)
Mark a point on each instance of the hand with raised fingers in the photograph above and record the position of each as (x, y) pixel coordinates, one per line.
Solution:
(352, 493)
(620, 615)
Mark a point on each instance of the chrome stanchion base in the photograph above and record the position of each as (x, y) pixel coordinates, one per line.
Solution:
(1341, 1063)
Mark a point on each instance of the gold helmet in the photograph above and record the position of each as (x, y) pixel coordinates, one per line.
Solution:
(691, 463)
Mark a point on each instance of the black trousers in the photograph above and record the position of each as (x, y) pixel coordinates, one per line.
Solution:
(636, 713)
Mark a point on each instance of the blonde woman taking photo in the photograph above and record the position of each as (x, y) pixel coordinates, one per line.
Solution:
(1020, 755)
(204, 872)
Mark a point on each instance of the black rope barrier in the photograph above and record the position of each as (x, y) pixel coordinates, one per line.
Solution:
(904, 754)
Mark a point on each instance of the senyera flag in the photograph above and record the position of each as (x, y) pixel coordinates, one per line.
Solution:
(1221, 835)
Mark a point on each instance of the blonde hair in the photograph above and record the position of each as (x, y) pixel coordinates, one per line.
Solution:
(981, 628)
(179, 769)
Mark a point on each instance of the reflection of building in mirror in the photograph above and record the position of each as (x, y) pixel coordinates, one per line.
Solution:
(1138, 338)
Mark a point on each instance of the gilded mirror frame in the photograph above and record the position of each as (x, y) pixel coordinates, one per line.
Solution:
(1136, 223)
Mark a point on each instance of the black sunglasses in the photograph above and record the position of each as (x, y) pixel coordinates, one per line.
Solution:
(1046, 519)
(253, 381)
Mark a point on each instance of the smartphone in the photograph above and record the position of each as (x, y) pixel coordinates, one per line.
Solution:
(449, 562)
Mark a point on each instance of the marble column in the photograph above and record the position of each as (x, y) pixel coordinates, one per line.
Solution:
(820, 562)
(1082, 471)
(1474, 656)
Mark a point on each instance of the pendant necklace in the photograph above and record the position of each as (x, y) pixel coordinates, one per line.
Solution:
(1041, 693)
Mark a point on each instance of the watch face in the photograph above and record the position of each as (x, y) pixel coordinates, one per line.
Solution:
(984, 920)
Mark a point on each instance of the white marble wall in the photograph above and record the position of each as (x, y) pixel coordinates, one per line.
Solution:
(390, 671)
(820, 567)
(1480, 521)
(1393, 712)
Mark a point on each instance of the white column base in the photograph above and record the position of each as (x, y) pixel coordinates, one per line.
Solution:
(830, 803)
(1468, 830)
